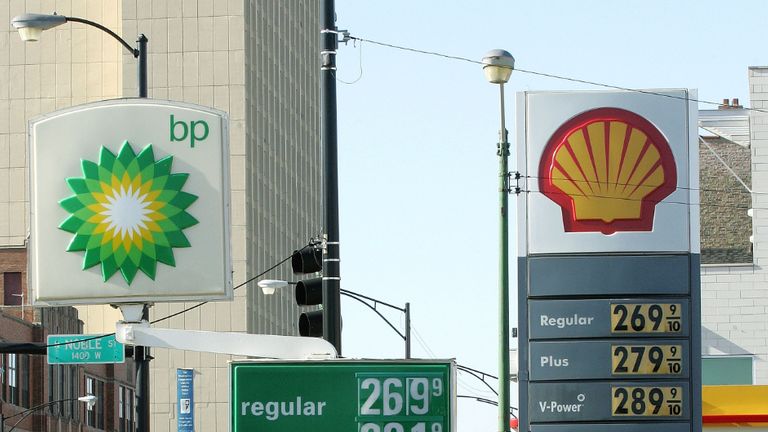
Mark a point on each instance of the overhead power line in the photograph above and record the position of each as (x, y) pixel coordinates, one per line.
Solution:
(36, 348)
(545, 74)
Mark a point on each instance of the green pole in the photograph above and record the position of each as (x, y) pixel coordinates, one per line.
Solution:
(503, 152)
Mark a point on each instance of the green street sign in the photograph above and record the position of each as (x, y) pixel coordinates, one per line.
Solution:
(343, 396)
(84, 349)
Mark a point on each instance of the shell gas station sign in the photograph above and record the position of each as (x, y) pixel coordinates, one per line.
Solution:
(608, 265)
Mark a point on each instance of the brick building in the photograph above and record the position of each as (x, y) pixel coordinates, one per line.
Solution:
(26, 380)
(734, 274)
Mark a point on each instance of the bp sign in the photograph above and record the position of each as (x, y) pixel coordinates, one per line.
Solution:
(129, 202)
(343, 396)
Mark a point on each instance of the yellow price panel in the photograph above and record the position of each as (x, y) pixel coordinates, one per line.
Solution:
(659, 401)
(637, 318)
(646, 359)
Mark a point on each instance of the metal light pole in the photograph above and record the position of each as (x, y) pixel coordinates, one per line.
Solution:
(331, 257)
(498, 66)
(89, 400)
(30, 27)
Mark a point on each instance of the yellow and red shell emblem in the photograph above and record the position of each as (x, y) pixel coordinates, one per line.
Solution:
(607, 168)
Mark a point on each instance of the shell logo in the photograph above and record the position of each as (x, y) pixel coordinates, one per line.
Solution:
(607, 168)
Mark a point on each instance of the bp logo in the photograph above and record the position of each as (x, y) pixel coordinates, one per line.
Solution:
(128, 212)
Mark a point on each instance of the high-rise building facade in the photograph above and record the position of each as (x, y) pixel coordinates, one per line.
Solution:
(258, 60)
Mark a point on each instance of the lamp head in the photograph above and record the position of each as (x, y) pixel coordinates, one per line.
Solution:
(89, 400)
(268, 286)
(498, 66)
(31, 26)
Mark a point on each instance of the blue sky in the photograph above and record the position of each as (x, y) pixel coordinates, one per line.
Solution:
(417, 143)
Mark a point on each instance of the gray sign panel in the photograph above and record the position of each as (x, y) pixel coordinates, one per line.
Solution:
(624, 401)
(566, 319)
(613, 359)
(608, 275)
(613, 427)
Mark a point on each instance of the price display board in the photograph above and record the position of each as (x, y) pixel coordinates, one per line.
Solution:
(341, 396)
(609, 265)
(607, 359)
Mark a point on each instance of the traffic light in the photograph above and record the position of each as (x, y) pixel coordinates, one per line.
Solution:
(325, 322)
(309, 292)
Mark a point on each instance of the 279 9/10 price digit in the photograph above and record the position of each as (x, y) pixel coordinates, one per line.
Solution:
(647, 401)
(646, 318)
(659, 359)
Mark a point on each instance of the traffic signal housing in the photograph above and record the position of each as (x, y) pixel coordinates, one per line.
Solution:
(310, 293)
(325, 322)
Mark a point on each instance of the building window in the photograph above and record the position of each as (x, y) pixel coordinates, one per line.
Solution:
(13, 379)
(24, 366)
(727, 370)
(74, 391)
(95, 414)
(12, 295)
(2, 377)
(125, 410)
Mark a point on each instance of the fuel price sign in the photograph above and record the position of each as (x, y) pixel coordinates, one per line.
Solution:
(343, 396)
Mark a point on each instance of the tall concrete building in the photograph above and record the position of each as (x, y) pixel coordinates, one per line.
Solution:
(258, 60)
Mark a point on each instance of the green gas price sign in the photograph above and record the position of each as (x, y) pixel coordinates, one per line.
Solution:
(343, 396)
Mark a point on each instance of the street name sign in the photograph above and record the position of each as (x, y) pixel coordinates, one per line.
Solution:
(608, 269)
(343, 396)
(84, 349)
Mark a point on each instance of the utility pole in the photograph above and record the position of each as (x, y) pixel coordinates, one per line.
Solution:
(329, 142)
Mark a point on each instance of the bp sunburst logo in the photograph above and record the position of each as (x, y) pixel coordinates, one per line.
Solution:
(128, 212)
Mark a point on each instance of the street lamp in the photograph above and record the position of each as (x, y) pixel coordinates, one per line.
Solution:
(498, 65)
(90, 401)
(30, 27)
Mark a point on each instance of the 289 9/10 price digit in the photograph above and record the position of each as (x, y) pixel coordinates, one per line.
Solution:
(646, 318)
(647, 401)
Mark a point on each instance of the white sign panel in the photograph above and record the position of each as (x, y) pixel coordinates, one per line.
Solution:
(608, 172)
(129, 202)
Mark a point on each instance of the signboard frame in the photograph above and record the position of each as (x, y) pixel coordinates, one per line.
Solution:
(190, 260)
(664, 108)
(355, 367)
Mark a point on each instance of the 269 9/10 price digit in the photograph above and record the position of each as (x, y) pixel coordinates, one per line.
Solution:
(398, 427)
(647, 401)
(646, 318)
(394, 396)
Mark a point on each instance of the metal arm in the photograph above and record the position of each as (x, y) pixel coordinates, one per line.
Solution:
(127, 46)
(407, 311)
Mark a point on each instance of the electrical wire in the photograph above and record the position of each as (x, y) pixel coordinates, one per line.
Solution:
(187, 309)
(489, 402)
(547, 75)
(360, 66)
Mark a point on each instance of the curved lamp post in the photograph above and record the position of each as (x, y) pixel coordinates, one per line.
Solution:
(269, 286)
(498, 65)
(89, 400)
(31, 26)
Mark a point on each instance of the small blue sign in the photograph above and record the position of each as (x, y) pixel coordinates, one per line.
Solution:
(185, 392)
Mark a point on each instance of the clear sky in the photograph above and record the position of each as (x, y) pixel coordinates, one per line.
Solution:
(417, 144)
